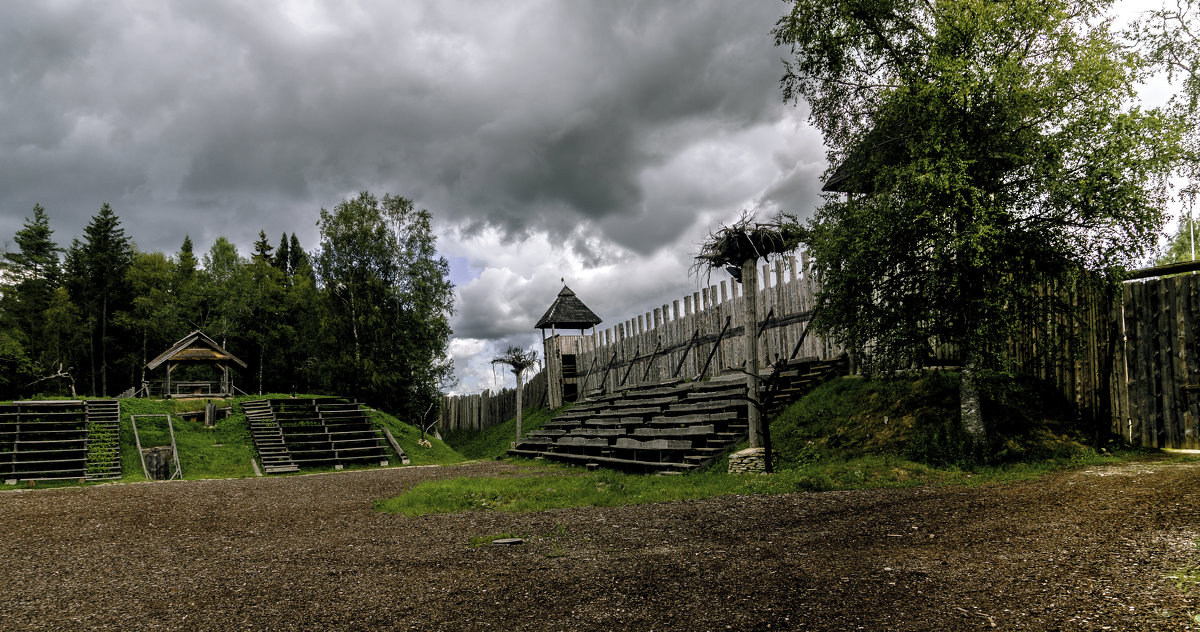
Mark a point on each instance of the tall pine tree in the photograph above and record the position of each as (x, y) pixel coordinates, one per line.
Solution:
(281, 256)
(96, 277)
(262, 249)
(32, 273)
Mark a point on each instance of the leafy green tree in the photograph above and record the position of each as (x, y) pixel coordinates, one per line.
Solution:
(188, 288)
(16, 369)
(297, 362)
(223, 311)
(154, 312)
(64, 337)
(185, 261)
(1181, 247)
(37, 255)
(984, 147)
(264, 302)
(1170, 42)
(387, 301)
(298, 261)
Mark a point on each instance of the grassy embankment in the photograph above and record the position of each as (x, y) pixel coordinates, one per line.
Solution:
(227, 449)
(493, 442)
(851, 433)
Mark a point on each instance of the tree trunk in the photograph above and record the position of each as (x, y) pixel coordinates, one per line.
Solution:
(971, 409)
(104, 347)
(144, 335)
(92, 358)
(519, 412)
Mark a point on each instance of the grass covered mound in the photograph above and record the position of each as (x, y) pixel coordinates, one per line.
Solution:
(493, 442)
(850, 433)
(223, 451)
(227, 449)
(915, 417)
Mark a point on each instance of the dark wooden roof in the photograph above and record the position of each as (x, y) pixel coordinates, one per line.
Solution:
(568, 312)
(854, 173)
(196, 347)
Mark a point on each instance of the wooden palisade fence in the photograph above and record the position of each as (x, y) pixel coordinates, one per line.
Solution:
(702, 334)
(476, 412)
(1130, 361)
(1157, 363)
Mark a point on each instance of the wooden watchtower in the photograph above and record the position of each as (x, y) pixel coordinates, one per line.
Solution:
(560, 351)
(197, 348)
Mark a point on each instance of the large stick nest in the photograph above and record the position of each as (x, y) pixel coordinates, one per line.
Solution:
(749, 239)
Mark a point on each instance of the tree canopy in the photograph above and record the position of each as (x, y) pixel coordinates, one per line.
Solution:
(388, 300)
(98, 316)
(979, 149)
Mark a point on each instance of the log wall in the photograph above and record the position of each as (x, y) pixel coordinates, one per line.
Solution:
(1157, 363)
(701, 335)
(1129, 362)
(476, 412)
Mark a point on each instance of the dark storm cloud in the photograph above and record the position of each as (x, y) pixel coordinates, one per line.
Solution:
(226, 117)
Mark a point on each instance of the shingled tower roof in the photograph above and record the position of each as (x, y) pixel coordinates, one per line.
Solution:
(568, 312)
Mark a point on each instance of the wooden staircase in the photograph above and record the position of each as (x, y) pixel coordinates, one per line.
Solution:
(789, 381)
(103, 439)
(294, 433)
(268, 438)
(669, 428)
(329, 431)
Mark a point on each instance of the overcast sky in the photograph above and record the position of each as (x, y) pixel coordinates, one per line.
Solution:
(592, 142)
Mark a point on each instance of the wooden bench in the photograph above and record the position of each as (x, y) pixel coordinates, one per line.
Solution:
(654, 450)
(695, 434)
(581, 446)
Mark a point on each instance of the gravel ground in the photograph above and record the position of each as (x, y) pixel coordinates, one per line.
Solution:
(1084, 550)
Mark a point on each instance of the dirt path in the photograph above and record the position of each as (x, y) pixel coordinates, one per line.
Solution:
(1084, 550)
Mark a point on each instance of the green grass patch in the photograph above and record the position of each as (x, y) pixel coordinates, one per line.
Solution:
(850, 433)
(537, 493)
(222, 451)
(1188, 577)
(578, 488)
(566, 487)
(433, 452)
(493, 442)
(916, 417)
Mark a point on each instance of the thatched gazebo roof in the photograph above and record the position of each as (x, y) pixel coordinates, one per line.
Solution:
(567, 312)
(196, 347)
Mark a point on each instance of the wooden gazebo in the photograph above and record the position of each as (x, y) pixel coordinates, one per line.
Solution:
(197, 348)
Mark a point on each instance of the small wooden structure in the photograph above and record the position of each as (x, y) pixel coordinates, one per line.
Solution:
(197, 348)
(560, 351)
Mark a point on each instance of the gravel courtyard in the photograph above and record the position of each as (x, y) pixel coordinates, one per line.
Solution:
(1084, 550)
